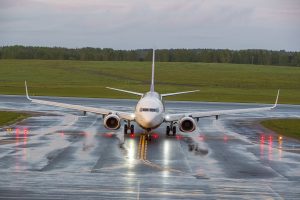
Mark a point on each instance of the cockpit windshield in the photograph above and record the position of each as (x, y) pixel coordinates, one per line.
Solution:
(149, 110)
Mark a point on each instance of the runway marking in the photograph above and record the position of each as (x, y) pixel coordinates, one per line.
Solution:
(142, 156)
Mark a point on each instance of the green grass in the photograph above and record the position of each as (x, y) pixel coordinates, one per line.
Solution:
(287, 127)
(7, 118)
(217, 82)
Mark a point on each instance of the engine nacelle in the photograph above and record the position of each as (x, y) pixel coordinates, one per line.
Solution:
(112, 122)
(187, 124)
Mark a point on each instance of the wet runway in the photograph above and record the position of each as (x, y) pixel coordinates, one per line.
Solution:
(62, 154)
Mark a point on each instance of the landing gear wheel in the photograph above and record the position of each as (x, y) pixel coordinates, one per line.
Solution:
(125, 129)
(148, 137)
(132, 129)
(191, 147)
(168, 131)
(174, 130)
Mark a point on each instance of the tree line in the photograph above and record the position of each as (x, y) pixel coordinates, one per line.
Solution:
(249, 56)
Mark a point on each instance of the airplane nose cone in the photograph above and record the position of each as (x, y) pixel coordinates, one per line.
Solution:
(149, 121)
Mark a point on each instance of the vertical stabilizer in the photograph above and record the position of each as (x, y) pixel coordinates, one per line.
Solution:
(153, 66)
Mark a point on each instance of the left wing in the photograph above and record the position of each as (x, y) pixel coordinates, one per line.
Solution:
(122, 115)
(176, 117)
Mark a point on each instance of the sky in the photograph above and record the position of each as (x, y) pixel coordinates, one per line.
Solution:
(135, 24)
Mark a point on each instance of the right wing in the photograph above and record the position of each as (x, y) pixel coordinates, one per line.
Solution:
(122, 115)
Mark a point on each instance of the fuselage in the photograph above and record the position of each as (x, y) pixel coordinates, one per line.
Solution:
(149, 111)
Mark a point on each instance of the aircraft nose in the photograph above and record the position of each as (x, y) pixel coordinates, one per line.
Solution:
(149, 121)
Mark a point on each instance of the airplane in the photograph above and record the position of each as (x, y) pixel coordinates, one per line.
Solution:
(150, 112)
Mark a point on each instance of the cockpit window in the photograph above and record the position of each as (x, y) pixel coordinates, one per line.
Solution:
(149, 110)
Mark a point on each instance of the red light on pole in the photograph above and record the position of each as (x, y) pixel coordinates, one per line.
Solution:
(225, 138)
(25, 131)
(155, 136)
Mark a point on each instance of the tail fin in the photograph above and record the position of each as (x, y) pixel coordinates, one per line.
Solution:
(153, 66)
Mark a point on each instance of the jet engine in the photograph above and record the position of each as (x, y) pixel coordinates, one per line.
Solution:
(187, 124)
(112, 122)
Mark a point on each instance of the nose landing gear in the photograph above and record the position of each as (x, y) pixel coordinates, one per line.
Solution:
(148, 136)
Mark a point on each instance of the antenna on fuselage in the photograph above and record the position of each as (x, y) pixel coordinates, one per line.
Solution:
(153, 66)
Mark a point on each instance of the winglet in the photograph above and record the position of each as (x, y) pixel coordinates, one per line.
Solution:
(276, 99)
(27, 96)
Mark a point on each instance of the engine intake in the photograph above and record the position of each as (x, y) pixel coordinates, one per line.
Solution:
(187, 124)
(112, 122)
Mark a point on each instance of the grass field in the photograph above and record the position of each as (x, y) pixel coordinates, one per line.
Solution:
(217, 82)
(287, 127)
(7, 118)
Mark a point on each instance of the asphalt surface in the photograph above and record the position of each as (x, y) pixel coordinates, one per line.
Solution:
(62, 154)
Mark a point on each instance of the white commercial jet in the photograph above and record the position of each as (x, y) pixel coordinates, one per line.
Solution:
(150, 112)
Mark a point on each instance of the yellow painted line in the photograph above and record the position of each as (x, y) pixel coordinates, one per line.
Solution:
(139, 148)
(145, 150)
(142, 155)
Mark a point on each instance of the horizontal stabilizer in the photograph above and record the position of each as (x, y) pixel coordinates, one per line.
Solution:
(126, 91)
(176, 93)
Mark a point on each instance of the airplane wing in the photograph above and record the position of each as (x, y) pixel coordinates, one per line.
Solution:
(176, 117)
(122, 115)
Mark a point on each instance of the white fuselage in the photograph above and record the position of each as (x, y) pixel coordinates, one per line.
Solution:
(149, 111)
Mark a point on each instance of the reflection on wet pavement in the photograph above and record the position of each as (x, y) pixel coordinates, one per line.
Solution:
(66, 156)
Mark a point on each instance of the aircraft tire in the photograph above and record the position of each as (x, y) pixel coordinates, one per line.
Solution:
(125, 129)
(132, 129)
(168, 130)
(174, 130)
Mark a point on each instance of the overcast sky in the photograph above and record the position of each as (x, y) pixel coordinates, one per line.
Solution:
(131, 24)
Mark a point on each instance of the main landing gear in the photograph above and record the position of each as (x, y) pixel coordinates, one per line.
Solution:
(128, 127)
(170, 128)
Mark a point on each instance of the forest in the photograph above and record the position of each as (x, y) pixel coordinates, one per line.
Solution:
(248, 56)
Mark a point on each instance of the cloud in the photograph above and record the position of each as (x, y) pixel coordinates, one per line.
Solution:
(139, 24)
